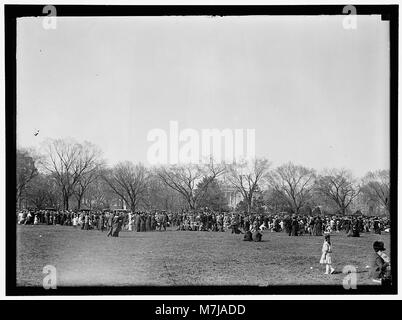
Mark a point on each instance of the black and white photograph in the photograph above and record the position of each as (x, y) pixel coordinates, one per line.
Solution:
(201, 149)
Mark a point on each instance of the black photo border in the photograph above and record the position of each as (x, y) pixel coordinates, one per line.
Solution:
(12, 12)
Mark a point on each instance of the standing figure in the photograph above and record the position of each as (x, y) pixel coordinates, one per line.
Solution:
(117, 225)
(376, 225)
(142, 223)
(110, 222)
(326, 255)
(101, 222)
(148, 223)
(86, 222)
(294, 227)
(137, 222)
(318, 227)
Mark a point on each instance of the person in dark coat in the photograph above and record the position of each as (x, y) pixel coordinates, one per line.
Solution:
(318, 227)
(113, 224)
(110, 222)
(257, 235)
(163, 221)
(154, 223)
(376, 226)
(148, 223)
(117, 225)
(277, 226)
(209, 221)
(311, 226)
(101, 221)
(137, 222)
(360, 225)
(142, 223)
(247, 225)
(355, 229)
(287, 225)
(380, 264)
(295, 227)
(347, 226)
(220, 223)
(248, 236)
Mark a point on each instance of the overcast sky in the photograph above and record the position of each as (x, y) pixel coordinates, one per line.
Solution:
(315, 93)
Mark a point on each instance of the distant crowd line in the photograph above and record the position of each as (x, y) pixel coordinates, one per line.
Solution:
(207, 220)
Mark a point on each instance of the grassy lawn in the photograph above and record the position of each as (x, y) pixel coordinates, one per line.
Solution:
(184, 258)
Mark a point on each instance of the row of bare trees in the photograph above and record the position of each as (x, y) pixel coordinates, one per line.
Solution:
(66, 170)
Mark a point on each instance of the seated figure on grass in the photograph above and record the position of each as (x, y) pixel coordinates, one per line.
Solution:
(252, 235)
(257, 235)
(248, 236)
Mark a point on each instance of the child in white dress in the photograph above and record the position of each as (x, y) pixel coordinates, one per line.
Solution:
(326, 255)
(75, 221)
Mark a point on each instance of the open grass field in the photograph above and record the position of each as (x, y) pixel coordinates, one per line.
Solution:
(89, 258)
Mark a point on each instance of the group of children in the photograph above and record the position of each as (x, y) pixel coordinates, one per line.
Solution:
(380, 268)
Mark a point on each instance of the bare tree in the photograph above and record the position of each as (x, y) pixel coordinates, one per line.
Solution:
(43, 192)
(376, 186)
(247, 177)
(129, 182)
(86, 179)
(69, 161)
(294, 183)
(26, 171)
(184, 179)
(98, 194)
(338, 186)
(161, 197)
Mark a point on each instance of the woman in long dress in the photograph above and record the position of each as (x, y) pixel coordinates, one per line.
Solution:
(142, 223)
(117, 225)
(318, 227)
(326, 255)
(148, 223)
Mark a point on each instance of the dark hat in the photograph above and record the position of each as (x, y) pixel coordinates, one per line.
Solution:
(378, 246)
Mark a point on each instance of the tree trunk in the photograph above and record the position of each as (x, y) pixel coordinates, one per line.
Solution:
(65, 201)
(191, 203)
(79, 199)
(19, 198)
(132, 206)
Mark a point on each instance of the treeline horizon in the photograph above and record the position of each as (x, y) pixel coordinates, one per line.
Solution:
(65, 171)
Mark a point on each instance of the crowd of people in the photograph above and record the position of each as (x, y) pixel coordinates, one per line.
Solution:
(97, 220)
(208, 220)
